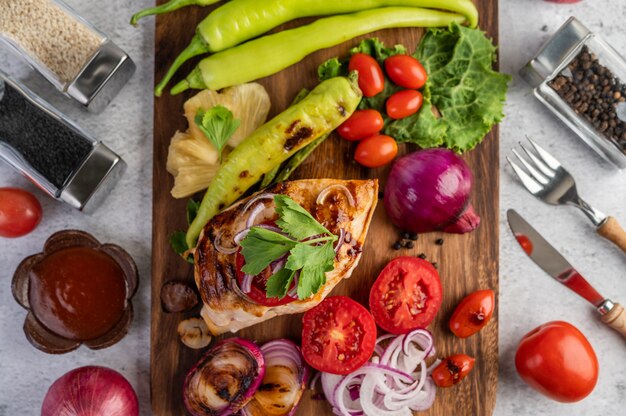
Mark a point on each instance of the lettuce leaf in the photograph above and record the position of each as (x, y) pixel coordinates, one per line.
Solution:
(463, 97)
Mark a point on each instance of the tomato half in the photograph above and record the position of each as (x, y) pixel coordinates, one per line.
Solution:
(403, 104)
(20, 212)
(376, 151)
(371, 78)
(452, 370)
(406, 71)
(338, 335)
(406, 295)
(258, 292)
(558, 361)
(472, 313)
(361, 124)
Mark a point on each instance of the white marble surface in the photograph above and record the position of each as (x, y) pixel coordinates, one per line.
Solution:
(527, 297)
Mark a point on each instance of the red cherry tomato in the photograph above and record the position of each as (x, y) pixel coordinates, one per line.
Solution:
(557, 360)
(361, 124)
(376, 151)
(452, 370)
(258, 292)
(472, 313)
(525, 242)
(20, 212)
(406, 295)
(338, 335)
(406, 71)
(404, 103)
(371, 78)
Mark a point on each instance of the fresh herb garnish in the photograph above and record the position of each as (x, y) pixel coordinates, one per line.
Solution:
(307, 245)
(218, 125)
(177, 239)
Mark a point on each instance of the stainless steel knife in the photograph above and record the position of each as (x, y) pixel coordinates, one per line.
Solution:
(554, 264)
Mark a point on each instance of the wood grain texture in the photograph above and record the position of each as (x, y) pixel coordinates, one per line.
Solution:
(466, 263)
(616, 319)
(613, 231)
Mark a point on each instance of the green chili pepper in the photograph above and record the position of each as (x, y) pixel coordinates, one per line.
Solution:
(170, 6)
(272, 53)
(240, 20)
(320, 112)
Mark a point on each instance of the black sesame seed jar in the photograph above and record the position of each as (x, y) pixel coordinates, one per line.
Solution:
(54, 153)
(582, 80)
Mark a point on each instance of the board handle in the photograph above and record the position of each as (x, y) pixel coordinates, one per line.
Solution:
(612, 231)
(616, 319)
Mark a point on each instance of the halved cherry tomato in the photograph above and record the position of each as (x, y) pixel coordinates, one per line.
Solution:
(403, 103)
(338, 335)
(557, 360)
(361, 124)
(371, 78)
(406, 71)
(258, 292)
(376, 151)
(20, 212)
(406, 295)
(525, 242)
(452, 370)
(472, 313)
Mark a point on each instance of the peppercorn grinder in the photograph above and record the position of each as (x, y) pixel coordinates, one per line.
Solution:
(581, 79)
(53, 152)
(74, 56)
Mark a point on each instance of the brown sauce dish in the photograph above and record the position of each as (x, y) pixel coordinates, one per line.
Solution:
(77, 291)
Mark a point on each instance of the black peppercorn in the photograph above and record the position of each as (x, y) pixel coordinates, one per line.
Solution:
(439, 241)
(396, 246)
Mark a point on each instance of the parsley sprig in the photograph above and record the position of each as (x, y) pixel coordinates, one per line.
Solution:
(218, 125)
(307, 244)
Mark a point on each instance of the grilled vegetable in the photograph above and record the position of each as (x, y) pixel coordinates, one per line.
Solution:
(269, 54)
(240, 20)
(326, 107)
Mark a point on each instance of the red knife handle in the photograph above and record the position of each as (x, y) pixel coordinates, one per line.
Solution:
(616, 319)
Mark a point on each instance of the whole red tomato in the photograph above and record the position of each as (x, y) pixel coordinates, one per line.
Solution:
(406, 71)
(557, 360)
(452, 370)
(404, 103)
(371, 78)
(376, 151)
(361, 124)
(20, 212)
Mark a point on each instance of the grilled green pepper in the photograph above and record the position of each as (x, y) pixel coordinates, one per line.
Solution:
(321, 111)
(240, 20)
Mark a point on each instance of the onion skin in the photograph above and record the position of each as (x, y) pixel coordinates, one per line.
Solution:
(206, 371)
(429, 190)
(467, 222)
(73, 394)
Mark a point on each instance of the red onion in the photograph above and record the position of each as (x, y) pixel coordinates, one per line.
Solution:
(324, 193)
(90, 390)
(225, 378)
(429, 190)
(284, 382)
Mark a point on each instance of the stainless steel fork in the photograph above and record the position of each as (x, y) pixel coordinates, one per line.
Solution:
(545, 178)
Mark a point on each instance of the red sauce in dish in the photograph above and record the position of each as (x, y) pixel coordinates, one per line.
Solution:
(78, 293)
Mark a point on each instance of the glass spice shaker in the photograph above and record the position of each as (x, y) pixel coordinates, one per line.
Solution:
(74, 56)
(582, 80)
(53, 152)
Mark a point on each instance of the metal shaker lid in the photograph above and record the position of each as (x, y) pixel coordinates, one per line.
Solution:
(94, 179)
(558, 48)
(102, 77)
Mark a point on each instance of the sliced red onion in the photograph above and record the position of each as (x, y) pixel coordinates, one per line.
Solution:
(246, 283)
(314, 380)
(254, 199)
(293, 292)
(340, 240)
(217, 242)
(329, 382)
(285, 379)
(253, 214)
(240, 236)
(324, 193)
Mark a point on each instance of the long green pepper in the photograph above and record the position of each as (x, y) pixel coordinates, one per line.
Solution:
(269, 54)
(321, 111)
(170, 6)
(241, 20)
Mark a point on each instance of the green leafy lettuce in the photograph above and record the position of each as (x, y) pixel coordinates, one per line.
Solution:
(463, 97)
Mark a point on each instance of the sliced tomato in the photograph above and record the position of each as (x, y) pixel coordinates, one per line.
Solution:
(361, 124)
(258, 289)
(472, 313)
(338, 335)
(406, 71)
(452, 370)
(406, 295)
(371, 78)
(404, 103)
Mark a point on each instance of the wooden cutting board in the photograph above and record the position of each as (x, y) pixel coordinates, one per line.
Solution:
(466, 262)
